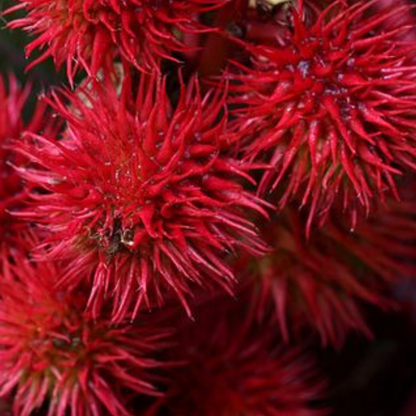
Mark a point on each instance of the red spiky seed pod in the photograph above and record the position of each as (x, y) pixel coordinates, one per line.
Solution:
(54, 356)
(325, 281)
(330, 106)
(234, 369)
(13, 99)
(231, 369)
(90, 34)
(141, 195)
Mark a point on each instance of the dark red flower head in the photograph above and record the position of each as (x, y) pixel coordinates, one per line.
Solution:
(53, 355)
(90, 34)
(12, 125)
(330, 105)
(231, 369)
(324, 282)
(141, 195)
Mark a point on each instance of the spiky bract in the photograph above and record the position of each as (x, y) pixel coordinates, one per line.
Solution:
(231, 369)
(13, 99)
(140, 194)
(324, 282)
(329, 103)
(54, 356)
(91, 34)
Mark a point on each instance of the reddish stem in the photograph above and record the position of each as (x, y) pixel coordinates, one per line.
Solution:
(216, 49)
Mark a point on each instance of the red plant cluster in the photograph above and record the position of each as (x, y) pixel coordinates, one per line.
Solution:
(330, 106)
(91, 34)
(276, 181)
(12, 191)
(233, 369)
(140, 194)
(53, 352)
(324, 281)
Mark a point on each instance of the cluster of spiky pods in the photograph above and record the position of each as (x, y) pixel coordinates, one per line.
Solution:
(221, 184)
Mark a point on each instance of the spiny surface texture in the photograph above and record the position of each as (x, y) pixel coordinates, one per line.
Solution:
(140, 194)
(54, 354)
(90, 34)
(329, 104)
